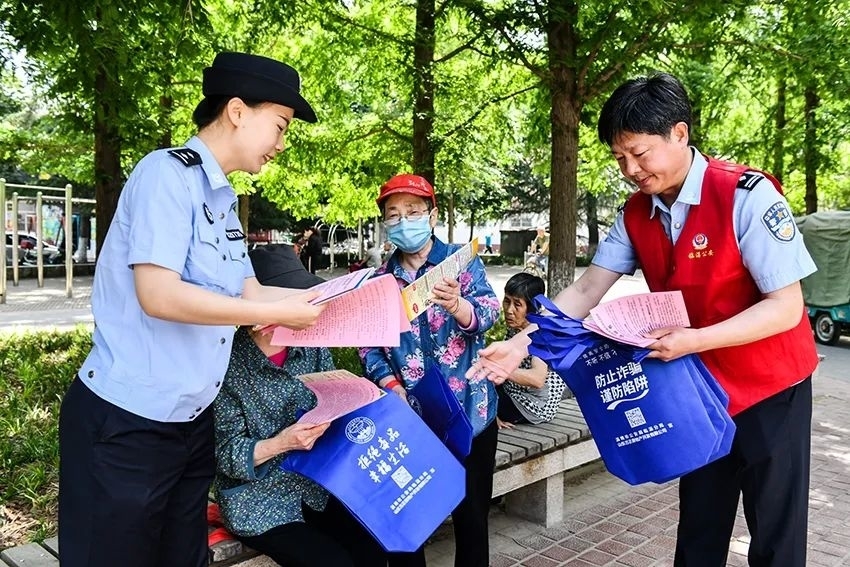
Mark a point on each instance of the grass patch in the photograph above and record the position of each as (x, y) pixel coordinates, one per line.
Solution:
(35, 370)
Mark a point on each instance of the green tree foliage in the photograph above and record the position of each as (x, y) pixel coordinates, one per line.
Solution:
(501, 85)
(579, 51)
(110, 69)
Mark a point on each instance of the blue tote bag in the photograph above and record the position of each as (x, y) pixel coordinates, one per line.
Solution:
(384, 464)
(651, 420)
(440, 409)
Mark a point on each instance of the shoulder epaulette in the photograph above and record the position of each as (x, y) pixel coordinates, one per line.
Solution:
(748, 180)
(187, 156)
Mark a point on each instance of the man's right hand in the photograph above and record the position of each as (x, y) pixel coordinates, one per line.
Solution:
(498, 361)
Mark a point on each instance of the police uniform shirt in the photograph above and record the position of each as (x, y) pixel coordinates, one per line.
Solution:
(178, 211)
(775, 258)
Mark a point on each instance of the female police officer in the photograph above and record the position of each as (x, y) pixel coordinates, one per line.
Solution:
(172, 281)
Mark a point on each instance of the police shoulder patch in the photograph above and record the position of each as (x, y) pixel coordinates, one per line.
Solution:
(748, 180)
(186, 156)
(780, 222)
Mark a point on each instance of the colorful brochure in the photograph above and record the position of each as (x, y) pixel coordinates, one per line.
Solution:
(417, 296)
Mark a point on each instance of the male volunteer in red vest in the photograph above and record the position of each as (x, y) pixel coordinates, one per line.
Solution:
(722, 234)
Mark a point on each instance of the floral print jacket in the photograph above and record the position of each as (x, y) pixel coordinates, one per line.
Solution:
(436, 338)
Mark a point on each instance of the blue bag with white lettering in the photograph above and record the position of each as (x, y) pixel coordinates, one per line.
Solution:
(440, 409)
(652, 421)
(384, 464)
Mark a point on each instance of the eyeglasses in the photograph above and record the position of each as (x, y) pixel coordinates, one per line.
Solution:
(413, 216)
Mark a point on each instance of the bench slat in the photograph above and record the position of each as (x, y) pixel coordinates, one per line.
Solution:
(531, 446)
(560, 434)
(503, 458)
(540, 437)
(30, 555)
(51, 544)
(570, 427)
(514, 450)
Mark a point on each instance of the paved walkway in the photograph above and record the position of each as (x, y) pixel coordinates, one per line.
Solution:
(607, 522)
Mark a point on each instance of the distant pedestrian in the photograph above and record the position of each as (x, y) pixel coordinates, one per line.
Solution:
(312, 249)
(488, 243)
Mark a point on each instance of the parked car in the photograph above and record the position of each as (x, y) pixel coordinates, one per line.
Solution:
(25, 242)
(27, 250)
(827, 291)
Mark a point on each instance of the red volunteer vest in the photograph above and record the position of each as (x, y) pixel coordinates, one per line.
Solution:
(706, 265)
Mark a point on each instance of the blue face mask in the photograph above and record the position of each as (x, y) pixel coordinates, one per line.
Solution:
(410, 236)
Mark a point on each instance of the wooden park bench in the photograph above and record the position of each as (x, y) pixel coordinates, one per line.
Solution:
(530, 464)
(531, 461)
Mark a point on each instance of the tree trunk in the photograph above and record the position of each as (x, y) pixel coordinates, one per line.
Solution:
(423, 91)
(107, 146)
(450, 217)
(166, 109)
(779, 140)
(564, 118)
(592, 215)
(472, 221)
(244, 209)
(810, 149)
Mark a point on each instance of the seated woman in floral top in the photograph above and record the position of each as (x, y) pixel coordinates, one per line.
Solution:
(281, 514)
(532, 393)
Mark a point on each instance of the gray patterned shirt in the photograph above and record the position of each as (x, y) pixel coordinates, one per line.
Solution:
(257, 400)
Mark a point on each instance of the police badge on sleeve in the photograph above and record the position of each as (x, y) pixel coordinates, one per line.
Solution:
(780, 222)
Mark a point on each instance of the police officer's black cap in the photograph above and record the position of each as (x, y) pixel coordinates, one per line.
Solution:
(253, 77)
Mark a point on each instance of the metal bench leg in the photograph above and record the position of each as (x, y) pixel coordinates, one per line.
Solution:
(541, 502)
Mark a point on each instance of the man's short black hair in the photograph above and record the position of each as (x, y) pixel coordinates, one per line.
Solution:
(646, 105)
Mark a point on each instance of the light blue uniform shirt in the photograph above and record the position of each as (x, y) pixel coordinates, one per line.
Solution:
(183, 217)
(774, 261)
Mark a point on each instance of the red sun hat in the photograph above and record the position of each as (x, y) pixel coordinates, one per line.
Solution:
(407, 183)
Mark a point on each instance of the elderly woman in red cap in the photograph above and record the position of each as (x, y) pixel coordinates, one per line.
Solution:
(173, 280)
(449, 336)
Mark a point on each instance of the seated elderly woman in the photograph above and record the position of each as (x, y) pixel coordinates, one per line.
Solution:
(281, 514)
(532, 393)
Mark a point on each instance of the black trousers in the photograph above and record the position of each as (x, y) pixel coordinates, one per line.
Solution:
(331, 538)
(470, 518)
(508, 410)
(769, 465)
(132, 491)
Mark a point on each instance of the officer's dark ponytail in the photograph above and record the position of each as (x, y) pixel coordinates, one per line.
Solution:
(212, 106)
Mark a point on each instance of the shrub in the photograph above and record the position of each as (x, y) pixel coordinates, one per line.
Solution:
(348, 359)
(35, 371)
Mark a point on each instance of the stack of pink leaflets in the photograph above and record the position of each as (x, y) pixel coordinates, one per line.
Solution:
(361, 311)
(338, 392)
(628, 319)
